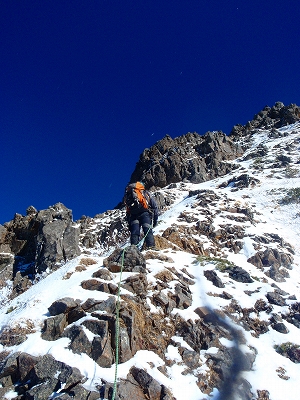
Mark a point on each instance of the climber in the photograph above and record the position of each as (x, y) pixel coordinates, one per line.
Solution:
(141, 211)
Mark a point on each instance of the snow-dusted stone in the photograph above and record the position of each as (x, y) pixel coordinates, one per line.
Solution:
(10, 368)
(42, 239)
(101, 350)
(262, 305)
(75, 314)
(126, 389)
(294, 354)
(179, 236)
(62, 306)
(113, 289)
(263, 395)
(277, 274)
(182, 296)
(103, 273)
(54, 327)
(190, 357)
(125, 343)
(293, 315)
(78, 392)
(137, 284)
(276, 260)
(94, 284)
(108, 305)
(20, 284)
(161, 299)
(240, 275)
(145, 388)
(130, 259)
(149, 385)
(270, 117)
(280, 327)
(276, 299)
(58, 234)
(79, 340)
(225, 295)
(199, 335)
(241, 181)
(202, 312)
(213, 277)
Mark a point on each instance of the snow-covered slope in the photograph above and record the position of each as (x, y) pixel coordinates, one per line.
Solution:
(248, 212)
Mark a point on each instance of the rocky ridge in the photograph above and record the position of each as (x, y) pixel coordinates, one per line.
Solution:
(212, 238)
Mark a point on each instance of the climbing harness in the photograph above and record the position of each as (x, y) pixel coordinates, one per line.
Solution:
(139, 246)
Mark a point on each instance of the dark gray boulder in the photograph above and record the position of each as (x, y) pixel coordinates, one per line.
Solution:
(62, 306)
(130, 259)
(276, 299)
(54, 327)
(79, 342)
(280, 327)
(108, 305)
(240, 275)
(213, 277)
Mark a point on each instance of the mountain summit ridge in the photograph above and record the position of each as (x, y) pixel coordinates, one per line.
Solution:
(197, 158)
(214, 314)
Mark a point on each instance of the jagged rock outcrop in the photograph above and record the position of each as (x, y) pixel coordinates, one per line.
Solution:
(112, 231)
(269, 118)
(41, 239)
(277, 261)
(190, 157)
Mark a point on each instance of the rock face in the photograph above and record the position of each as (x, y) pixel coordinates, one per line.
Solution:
(270, 117)
(36, 242)
(190, 157)
(113, 230)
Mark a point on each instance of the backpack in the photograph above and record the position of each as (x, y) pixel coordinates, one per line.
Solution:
(136, 197)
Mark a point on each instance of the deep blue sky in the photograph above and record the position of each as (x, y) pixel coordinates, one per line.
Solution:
(86, 86)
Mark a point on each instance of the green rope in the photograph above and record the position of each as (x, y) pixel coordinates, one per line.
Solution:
(117, 333)
(118, 327)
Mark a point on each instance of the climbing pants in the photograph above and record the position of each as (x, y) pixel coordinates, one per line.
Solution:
(144, 221)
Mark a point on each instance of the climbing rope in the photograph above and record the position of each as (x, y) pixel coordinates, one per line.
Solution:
(118, 327)
(140, 243)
